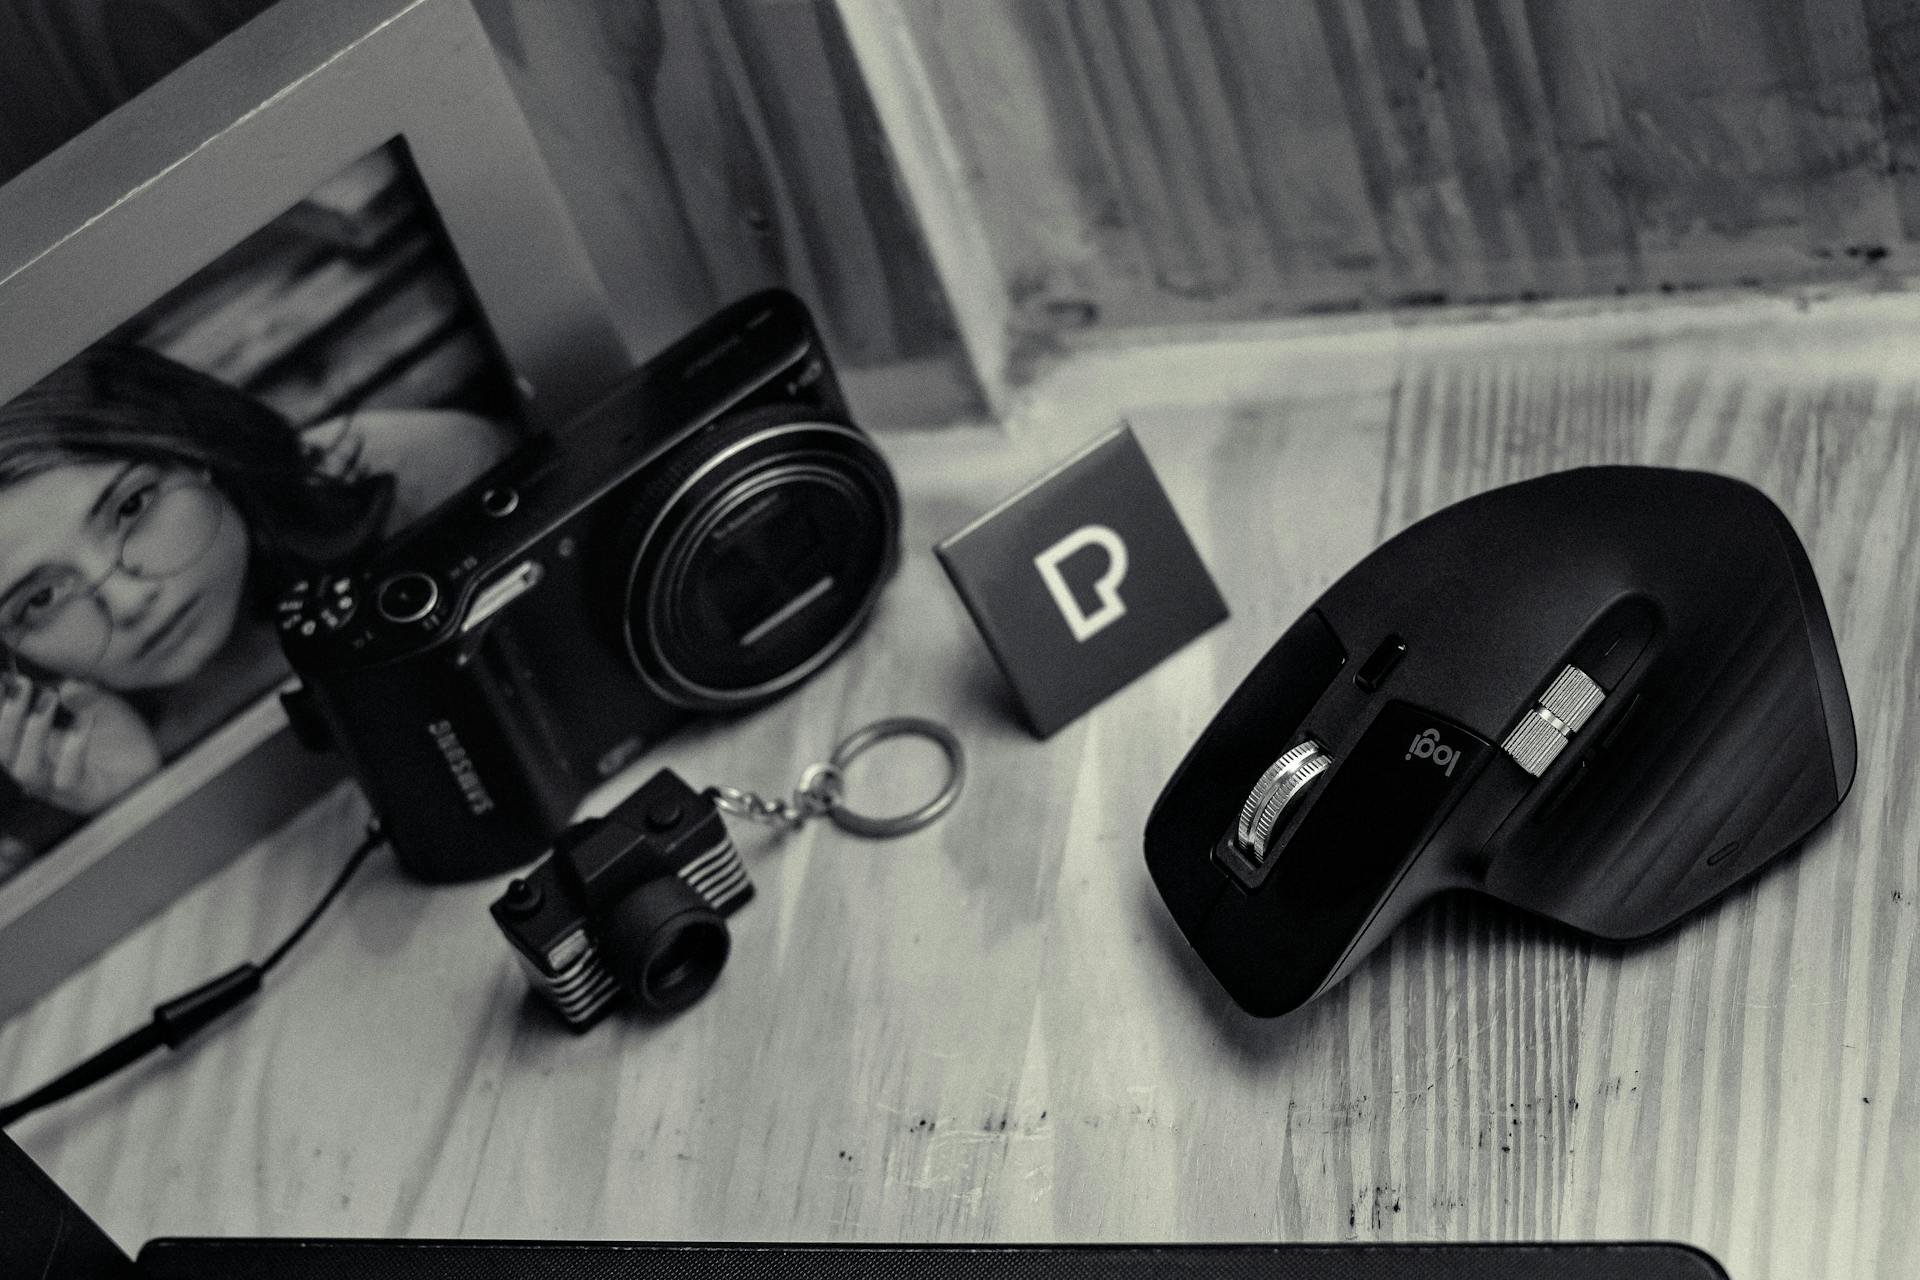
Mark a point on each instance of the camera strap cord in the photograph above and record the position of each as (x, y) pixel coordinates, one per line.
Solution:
(175, 1021)
(822, 788)
(821, 791)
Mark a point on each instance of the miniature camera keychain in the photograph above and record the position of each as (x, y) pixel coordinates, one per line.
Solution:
(636, 901)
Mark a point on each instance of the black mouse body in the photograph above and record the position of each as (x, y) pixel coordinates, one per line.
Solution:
(1604, 696)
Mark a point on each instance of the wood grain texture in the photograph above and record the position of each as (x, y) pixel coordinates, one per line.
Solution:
(1148, 162)
(704, 150)
(709, 150)
(991, 1031)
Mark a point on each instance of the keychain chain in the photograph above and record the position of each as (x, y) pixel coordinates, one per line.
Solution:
(822, 789)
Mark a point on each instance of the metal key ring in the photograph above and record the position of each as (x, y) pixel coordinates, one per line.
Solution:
(859, 740)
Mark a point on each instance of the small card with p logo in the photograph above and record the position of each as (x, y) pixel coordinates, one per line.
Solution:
(1082, 581)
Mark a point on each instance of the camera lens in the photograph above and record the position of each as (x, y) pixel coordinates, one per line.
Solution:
(762, 549)
(664, 944)
(685, 966)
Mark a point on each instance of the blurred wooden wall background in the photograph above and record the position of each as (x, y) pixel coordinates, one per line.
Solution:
(1029, 172)
(709, 149)
(1152, 162)
(705, 149)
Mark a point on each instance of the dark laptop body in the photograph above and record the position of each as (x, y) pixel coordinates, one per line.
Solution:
(426, 1260)
(45, 1235)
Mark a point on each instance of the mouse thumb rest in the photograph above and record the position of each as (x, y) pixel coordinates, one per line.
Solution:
(1605, 697)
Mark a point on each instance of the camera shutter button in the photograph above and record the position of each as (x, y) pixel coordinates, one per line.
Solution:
(407, 596)
(501, 500)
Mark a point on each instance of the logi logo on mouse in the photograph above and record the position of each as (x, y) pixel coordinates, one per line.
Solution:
(1429, 747)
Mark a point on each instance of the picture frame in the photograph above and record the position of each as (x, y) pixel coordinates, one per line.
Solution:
(164, 186)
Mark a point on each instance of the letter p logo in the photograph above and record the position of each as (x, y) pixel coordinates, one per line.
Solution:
(1121, 535)
(1106, 587)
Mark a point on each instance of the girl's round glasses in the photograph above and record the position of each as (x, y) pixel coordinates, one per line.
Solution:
(58, 610)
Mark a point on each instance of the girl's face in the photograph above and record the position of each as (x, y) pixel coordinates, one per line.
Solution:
(126, 574)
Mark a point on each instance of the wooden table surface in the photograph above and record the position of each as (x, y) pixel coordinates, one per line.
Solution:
(991, 1031)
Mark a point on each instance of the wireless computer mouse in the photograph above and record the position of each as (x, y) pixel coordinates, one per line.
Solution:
(1604, 696)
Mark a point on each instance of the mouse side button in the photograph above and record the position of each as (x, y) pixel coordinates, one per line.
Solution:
(1615, 642)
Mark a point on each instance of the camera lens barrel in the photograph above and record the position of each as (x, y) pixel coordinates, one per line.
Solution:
(664, 944)
(756, 556)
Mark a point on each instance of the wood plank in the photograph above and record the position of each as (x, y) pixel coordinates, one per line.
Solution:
(1213, 160)
(990, 1030)
(706, 151)
(1893, 39)
(934, 176)
(1308, 188)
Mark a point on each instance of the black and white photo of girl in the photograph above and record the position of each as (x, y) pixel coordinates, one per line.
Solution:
(318, 388)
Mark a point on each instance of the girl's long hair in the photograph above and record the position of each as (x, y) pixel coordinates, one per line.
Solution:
(117, 401)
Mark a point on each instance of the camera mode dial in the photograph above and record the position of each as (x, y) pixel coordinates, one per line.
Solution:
(318, 605)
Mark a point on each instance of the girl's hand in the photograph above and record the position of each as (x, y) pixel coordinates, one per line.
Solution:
(82, 761)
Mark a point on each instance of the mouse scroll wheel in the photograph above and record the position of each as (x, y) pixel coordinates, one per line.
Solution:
(1563, 709)
(1284, 779)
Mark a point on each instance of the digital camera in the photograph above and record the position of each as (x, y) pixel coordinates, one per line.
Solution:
(706, 536)
(631, 903)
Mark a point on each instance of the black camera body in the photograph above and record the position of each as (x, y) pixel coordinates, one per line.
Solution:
(632, 903)
(705, 537)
